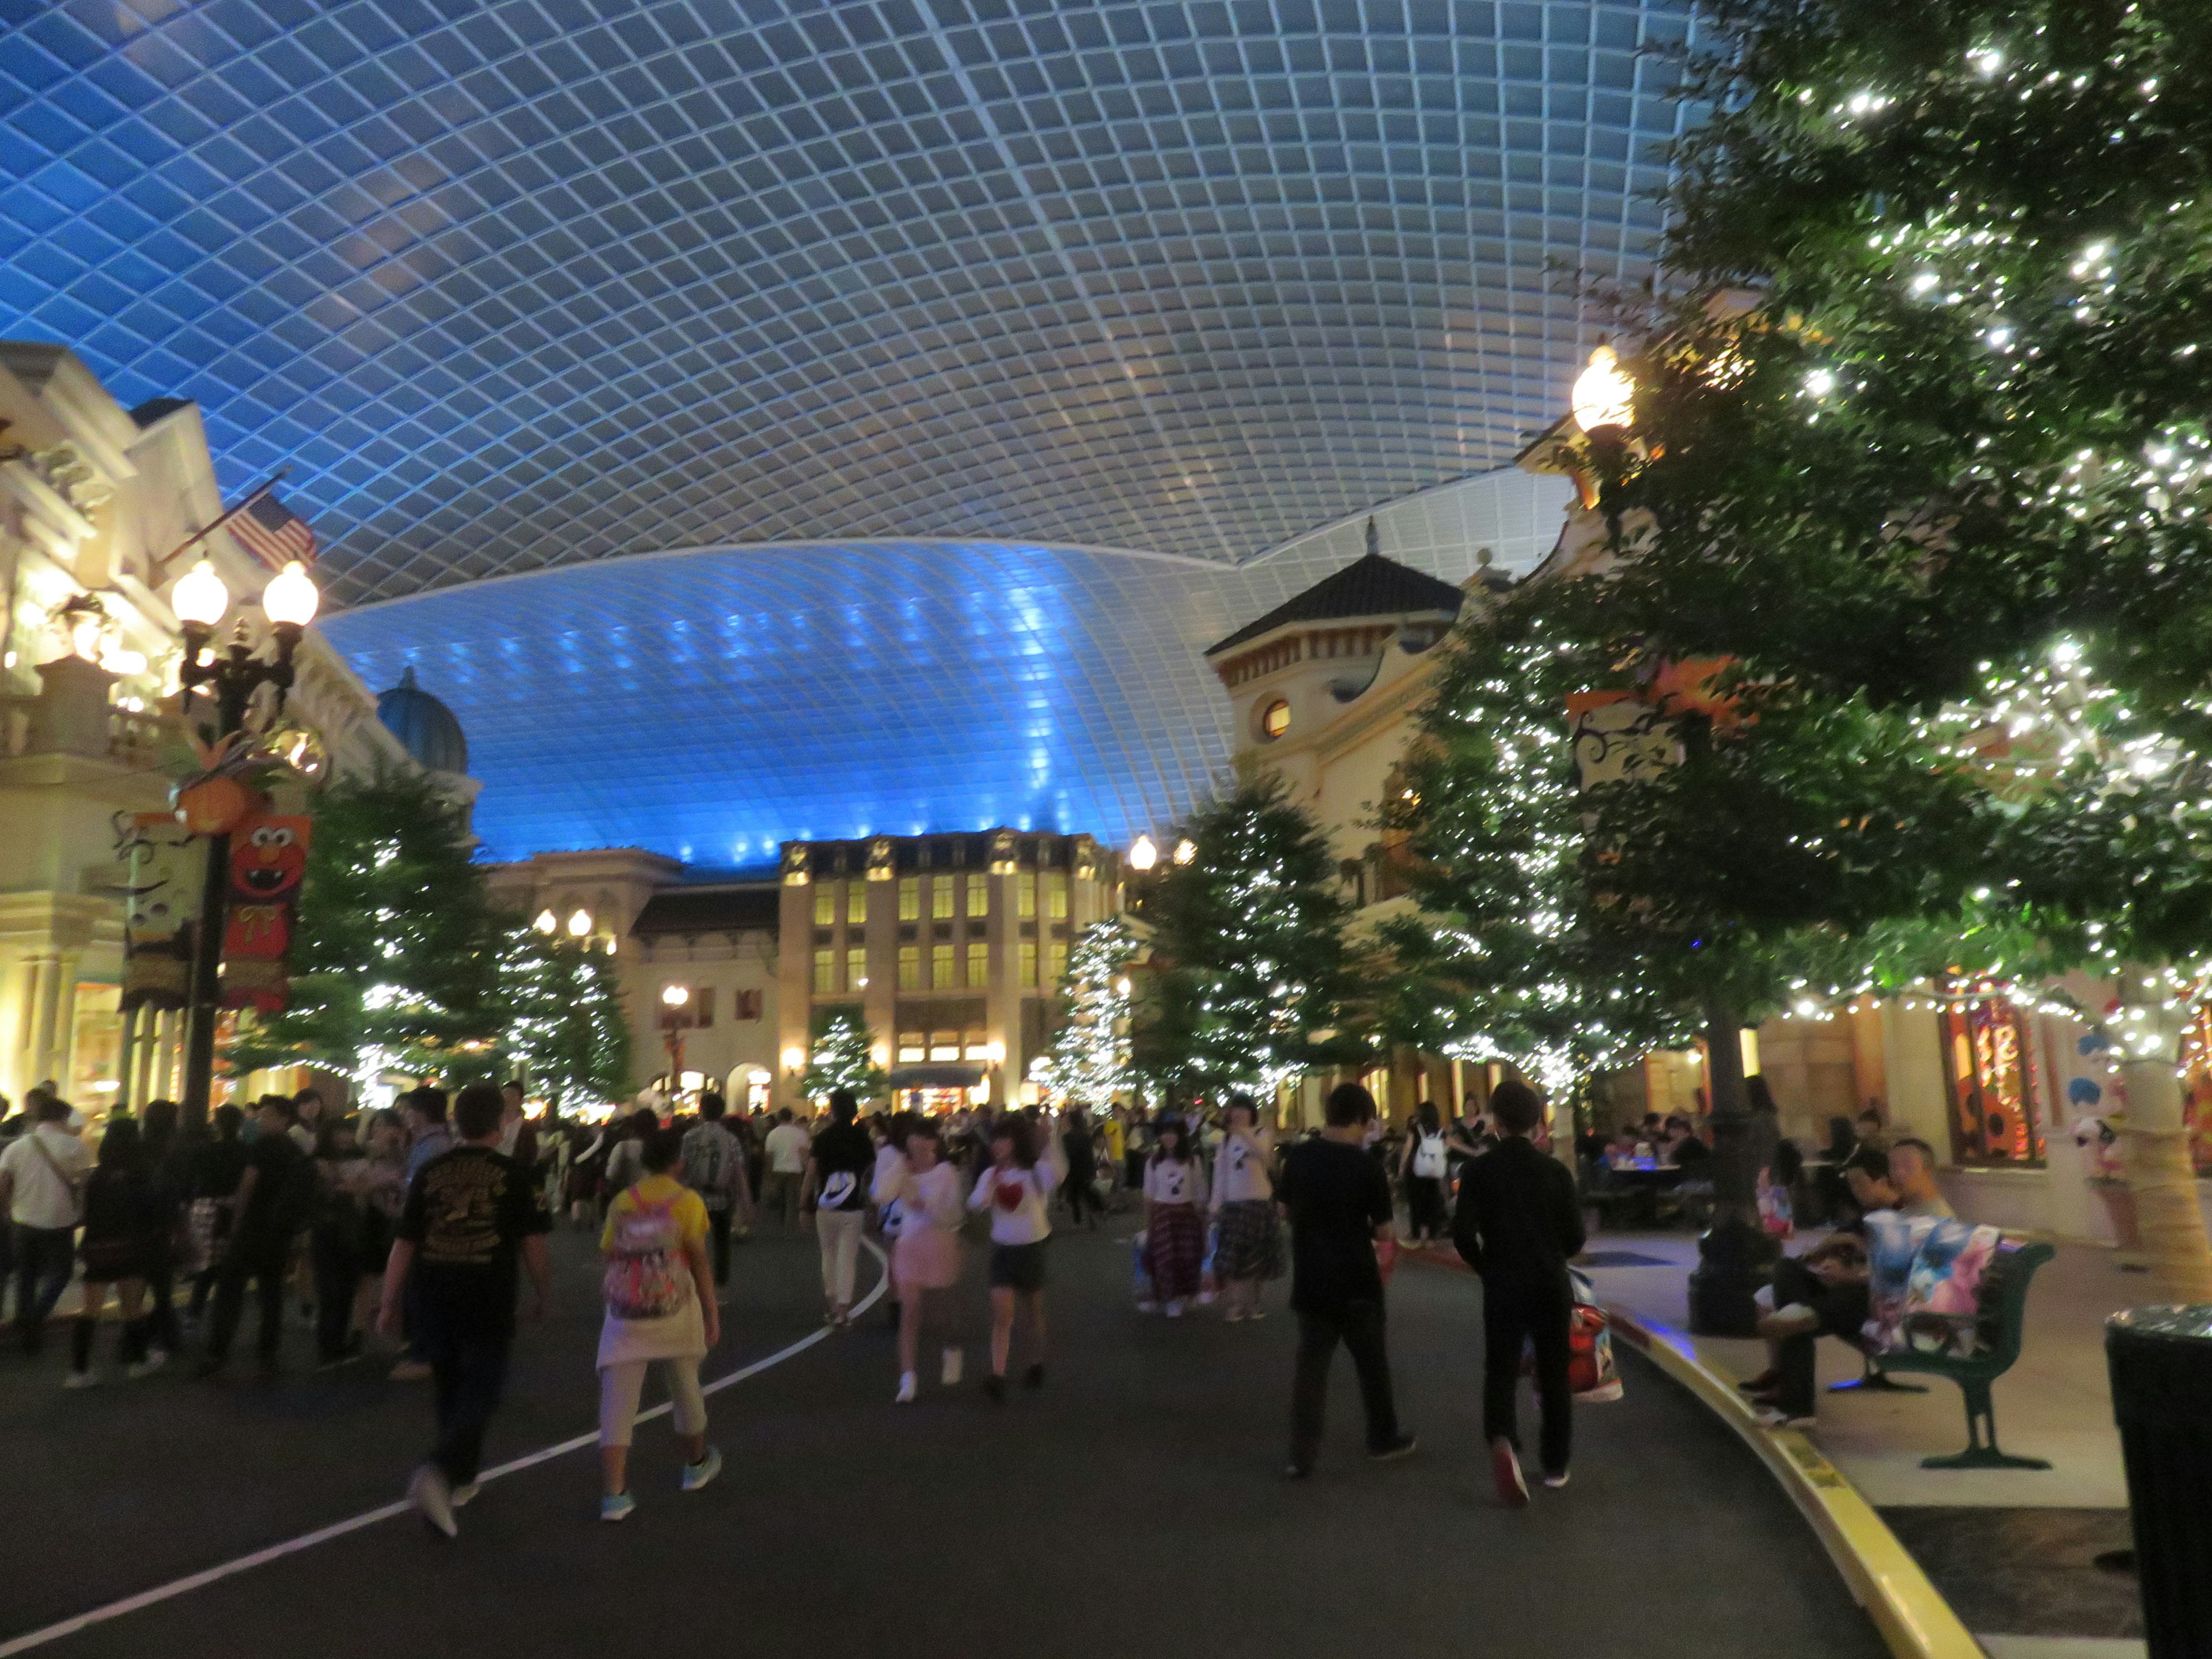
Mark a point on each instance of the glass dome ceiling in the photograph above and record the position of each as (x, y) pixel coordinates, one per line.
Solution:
(710, 704)
(539, 282)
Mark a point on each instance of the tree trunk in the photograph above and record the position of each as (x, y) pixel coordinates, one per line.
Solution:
(2168, 1215)
(1735, 1252)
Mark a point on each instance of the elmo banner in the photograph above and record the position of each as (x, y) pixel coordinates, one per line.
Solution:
(268, 862)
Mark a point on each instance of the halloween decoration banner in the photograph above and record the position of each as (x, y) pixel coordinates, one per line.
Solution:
(268, 861)
(164, 867)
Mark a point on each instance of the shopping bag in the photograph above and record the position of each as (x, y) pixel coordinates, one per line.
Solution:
(1592, 1375)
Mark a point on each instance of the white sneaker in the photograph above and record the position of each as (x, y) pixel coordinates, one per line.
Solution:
(153, 1362)
(465, 1494)
(81, 1380)
(948, 1368)
(1148, 1307)
(433, 1495)
(1775, 1418)
(906, 1389)
(1175, 1310)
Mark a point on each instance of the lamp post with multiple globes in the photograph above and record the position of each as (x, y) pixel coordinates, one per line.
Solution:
(232, 675)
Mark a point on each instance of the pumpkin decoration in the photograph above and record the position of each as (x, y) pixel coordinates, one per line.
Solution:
(220, 795)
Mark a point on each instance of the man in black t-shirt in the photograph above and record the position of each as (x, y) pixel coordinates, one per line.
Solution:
(471, 1213)
(269, 1206)
(1338, 1198)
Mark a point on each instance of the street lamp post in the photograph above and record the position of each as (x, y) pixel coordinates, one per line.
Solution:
(231, 674)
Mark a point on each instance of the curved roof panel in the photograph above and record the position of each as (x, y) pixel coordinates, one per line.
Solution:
(710, 704)
(524, 284)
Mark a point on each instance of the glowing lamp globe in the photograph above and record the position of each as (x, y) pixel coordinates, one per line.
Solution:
(1604, 395)
(199, 595)
(1185, 851)
(545, 922)
(1143, 855)
(290, 597)
(581, 924)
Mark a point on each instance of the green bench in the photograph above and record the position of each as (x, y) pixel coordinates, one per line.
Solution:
(2003, 1315)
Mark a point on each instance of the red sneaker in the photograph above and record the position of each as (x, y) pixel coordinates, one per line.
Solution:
(1506, 1468)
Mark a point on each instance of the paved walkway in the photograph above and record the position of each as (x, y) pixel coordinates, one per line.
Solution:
(1134, 1505)
(2013, 1551)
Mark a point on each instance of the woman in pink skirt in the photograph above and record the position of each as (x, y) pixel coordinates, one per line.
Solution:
(926, 1256)
(1175, 1216)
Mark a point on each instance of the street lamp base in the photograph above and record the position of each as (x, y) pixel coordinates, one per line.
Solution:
(1734, 1260)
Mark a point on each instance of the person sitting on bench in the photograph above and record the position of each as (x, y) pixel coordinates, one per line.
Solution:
(1823, 1292)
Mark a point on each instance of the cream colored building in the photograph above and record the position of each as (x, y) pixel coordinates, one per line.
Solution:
(93, 498)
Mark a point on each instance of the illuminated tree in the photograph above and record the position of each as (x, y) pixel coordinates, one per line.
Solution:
(565, 1021)
(1090, 1059)
(842, 1056)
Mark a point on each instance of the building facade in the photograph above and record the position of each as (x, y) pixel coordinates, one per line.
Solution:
(96, 500)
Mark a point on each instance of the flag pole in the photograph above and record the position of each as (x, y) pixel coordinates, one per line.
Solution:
(159, 571)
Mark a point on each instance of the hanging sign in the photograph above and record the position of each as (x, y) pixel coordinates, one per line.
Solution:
(163, 868)
(268, 862)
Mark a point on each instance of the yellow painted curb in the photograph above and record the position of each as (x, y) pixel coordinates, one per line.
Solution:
(1917, 1622)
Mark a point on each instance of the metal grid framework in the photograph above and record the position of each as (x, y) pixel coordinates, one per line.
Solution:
(710, 704)
(543, 282)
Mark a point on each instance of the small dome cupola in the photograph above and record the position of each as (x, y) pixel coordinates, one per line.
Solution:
(425, 725)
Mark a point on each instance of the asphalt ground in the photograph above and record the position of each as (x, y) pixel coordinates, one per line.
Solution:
(1134, 1506)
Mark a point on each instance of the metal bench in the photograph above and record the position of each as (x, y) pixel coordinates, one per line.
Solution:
(2002, 1317)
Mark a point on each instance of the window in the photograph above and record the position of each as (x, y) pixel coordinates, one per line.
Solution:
(856, 903)
(1029, 962)
(1056, 896)
(909, 898)
(944, 1046)
(1025, 894)
(825, 903)
(979, 895)
(940, 898)
(1056, 960)
(1274, 718)
(1990, 1078)
(941, 961)
(979, 963)
(825, 972)
(909, 968)
(977, 1048)
(912, 1049)
(703, 1005)
(856, 968)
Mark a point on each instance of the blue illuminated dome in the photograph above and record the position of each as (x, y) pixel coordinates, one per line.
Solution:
(433, 735)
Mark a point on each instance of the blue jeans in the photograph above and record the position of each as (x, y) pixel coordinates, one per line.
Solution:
(44, 1258)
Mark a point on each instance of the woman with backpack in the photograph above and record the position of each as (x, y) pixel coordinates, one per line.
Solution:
(659, 1291)
(1248, 1249)
(1423, 1170)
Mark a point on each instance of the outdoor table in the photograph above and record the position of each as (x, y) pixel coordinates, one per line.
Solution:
(1646, 1181)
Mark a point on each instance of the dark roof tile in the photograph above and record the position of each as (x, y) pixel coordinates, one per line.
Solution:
(1372, 586)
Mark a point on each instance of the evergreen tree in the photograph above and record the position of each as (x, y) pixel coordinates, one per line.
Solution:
(1916, 416)
(395, 951)
(843, 1056)
(1256, 976)
(566, 1023)
(1090, 1059)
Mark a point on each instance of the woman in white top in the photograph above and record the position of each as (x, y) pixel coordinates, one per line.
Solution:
(1017, 1189)
(1247, 1244)
(926, 1256)
(1175, 1224)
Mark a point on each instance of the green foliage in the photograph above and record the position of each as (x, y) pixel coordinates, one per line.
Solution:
(566, 1023)
(1090, 1062)
(396, 952)
(842, 1056)
(1250, 937)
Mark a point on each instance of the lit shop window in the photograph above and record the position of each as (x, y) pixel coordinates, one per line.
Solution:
(1989, 1073)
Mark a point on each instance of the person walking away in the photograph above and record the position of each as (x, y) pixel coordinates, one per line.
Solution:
(217, 1164)
(42, 1179)
(336, 1236)
(1424, 1169)
(715, 1168)
(626, 1163)
(1175, 1228)
(1078, 1155)
(659, 1291)
(841, 1157)
(382, 1189)
(926, 1256)
(274, 1196)
(1017, 1190)
(471, 1214)
(1342, 1247)
(165, 1159)
(1248, 1248)
(786, 1149)
(1519, 1222)
(121, 1216)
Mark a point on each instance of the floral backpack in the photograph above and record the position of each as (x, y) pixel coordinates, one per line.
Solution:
(644, 1276)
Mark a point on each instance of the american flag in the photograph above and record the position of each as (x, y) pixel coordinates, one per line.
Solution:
(272, 533)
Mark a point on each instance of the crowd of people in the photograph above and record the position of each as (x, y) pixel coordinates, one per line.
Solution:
(422, 1221)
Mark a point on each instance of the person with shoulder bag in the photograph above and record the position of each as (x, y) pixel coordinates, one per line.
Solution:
(661, 1307)
(42, 1180)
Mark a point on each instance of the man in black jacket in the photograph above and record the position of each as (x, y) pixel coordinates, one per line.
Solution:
(1518, 1223)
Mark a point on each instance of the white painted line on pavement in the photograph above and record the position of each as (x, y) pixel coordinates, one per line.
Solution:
(307, 1541)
